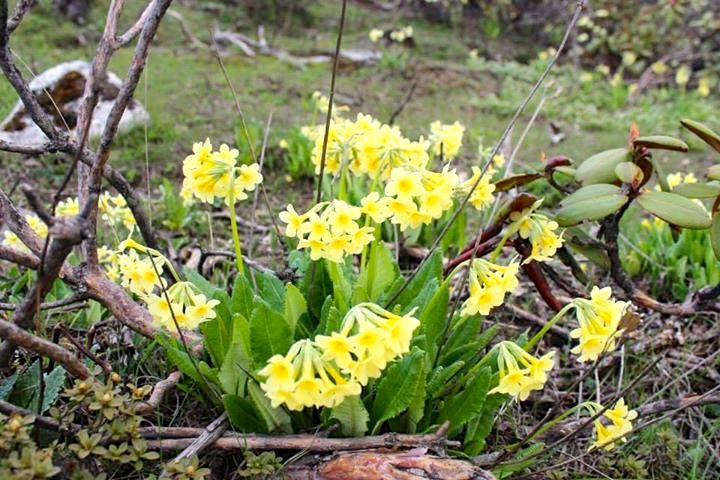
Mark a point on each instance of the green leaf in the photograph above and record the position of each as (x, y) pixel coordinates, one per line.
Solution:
(591, 192)
(232, 375)
(269, 333)
(207, 288)
(179, 358)
(674, 209)
(243, 414)
(393, 393)
(467, 403)
(590, 209)
(272, 290)
(379, 273)
(431, 269)
(7, 385)
(433, 319)
(480, 427)
(26, 385)
(54, 382)
(242, 296)
(352, 415)
(516, 463)
(276, 419)
(600, 168)
(702, 131)
(661, 142)
(713, 173)
(697, 190)
(440, 377)
(715, 234)
(295, 306)
(629, 173)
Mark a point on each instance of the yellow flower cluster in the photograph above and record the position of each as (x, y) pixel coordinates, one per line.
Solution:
(446, 139)
(488, 285)
(521, 373)
(142, 276)
(114, 210)
(599, 320)
(482, 196)
(619, 423)
(324, 371)
(210, 174)
(539, 230)
(366, 146)
(402, 34)
(329, 230)
(68, 207)
(188, 307)
(10, 239)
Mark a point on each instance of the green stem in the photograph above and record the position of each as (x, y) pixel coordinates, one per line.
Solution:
(234, 231)
(538, 336)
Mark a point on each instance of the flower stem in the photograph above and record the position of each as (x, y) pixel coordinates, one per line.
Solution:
(538, 336)
(234, 231)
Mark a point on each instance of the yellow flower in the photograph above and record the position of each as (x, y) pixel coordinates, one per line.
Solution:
(342, 218)
(488, 285)
(539, 230)
(375, 207)
(446, 139)
(10, 239)
(138, 275)
(375, 35)
(187, 307)
(248, 177)
(620, 424)
(659, 68)
(629, 58)
(482, 196)
(68, 207)
(682, 75)
(404, 184)
(599, 319)
(37, 225)
(293, 220)
(520, 382)
(336, 347)
(703, 87)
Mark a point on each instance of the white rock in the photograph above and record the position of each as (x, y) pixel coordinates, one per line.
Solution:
(30, 133)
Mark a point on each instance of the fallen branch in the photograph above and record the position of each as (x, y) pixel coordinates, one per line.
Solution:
(160, 438)
(158, 393)
(210, 434)
(15, 335)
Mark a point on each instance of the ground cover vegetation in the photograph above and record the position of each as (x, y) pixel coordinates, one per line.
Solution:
(444, 236)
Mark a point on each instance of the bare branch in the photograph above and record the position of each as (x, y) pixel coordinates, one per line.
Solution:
(15, 335)
(21, 9)
(135, 30)
(28, 149)
(158, 393)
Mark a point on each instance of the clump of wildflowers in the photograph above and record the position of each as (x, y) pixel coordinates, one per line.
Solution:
(599, 320)
(617, 423)
(521, 373)
(114, 210)
(488, 285)
(324, 371)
